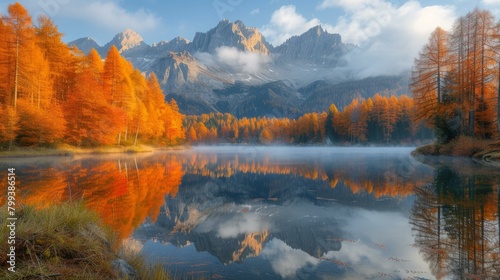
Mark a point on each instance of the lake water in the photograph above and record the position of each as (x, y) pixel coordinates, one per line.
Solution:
(286, 213)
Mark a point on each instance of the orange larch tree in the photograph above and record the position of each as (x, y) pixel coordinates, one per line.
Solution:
(429, 71)
(58, 55)
(19, 44)
(118, 88)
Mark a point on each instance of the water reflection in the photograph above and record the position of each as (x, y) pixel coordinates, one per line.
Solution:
(315, 214)
(273, 213)
(456, 221)
(124, 191)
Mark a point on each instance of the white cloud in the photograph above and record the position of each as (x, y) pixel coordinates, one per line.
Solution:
(491, 2)
(105, 14)
(246, 224)
(285, 260)
(351, 5)
(240, 61)
(389, 37)
(255, 12)
(364, 19)
(110, 15)
(286, 22)
(376, 247)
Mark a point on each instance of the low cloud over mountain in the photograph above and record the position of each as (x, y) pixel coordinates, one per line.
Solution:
(232, 68)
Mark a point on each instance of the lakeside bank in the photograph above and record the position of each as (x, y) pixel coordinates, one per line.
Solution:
(68, 241)
(484, 151)
(68, 151)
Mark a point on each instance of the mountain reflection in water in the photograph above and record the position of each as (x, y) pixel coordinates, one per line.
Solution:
(273, 213)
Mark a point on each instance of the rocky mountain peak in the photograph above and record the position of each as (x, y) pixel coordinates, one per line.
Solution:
(317, 30)
(85, 44)
(316, 43)
(177, 44)
(127, 40)
(230, 34)
(203, 80)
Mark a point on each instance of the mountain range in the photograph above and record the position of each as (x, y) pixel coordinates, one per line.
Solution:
(233, 69)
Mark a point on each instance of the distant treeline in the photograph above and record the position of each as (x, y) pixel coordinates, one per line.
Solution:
(51, 93)
(381, 120)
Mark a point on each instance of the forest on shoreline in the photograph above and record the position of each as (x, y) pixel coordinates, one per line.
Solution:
(456, 79)
(381, 120)
(53, 95)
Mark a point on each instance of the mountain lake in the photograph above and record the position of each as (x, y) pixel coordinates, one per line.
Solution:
(245, 212)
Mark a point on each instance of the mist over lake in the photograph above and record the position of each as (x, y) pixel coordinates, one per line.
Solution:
(241, 212)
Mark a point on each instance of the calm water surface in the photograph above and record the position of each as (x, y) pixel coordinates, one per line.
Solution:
(287, 213)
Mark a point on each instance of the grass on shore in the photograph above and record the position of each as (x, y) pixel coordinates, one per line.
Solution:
(68, 150)
(66, 241)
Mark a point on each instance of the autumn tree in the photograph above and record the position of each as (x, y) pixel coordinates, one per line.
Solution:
(428, 75)
(155, 101)
(62, 64)
(19, 33)
(466, 91)
(266, 136)
(90, 119)
(172, 119)
(9, 125)
(487, 31)
(330, 121)
(50, 92)
(192, 138)
(39, 127)
(118, 87)
(5, 92)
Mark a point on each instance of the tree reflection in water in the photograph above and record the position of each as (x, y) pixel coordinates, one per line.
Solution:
(239, 206)
(124, 191)
(456, 221)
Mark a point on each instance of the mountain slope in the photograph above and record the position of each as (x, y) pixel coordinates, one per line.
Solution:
(320, 94)
(275, 99)
(250, 77)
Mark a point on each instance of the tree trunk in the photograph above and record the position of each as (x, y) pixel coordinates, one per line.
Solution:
(136, 134)
(39, 94)
(472, 119)
(498, 113)
(16, 79)
(126, 131)
(498, 101)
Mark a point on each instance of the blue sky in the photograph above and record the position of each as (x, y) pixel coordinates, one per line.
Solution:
(389, 33)
(158, 20)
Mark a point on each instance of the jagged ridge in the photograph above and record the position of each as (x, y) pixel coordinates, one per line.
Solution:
(195, 74)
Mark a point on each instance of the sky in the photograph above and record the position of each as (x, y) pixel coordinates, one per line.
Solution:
(378, 27)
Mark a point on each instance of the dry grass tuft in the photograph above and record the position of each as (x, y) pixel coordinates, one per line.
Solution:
(60, 240)
(66, 241)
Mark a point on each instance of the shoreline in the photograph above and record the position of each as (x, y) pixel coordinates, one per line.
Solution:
(486, 152)
(73, 242)
(71, 151)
